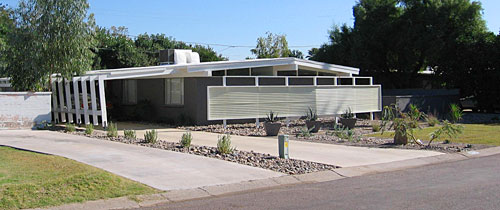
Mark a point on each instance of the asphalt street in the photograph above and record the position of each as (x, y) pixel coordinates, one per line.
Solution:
(467, 184)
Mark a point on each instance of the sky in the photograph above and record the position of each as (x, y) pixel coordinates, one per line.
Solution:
(238, 22)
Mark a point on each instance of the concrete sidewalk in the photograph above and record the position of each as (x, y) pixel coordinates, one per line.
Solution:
(339, 155)
(161, 169)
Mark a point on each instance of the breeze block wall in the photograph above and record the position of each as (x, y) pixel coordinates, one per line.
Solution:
(21, 110)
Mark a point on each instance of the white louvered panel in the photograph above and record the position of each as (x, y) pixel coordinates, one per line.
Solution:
(255, 102)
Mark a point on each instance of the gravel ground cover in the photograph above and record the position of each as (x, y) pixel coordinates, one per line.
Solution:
(265, 161)
(325, 135)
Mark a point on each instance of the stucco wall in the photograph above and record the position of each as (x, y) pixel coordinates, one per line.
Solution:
(24, 109)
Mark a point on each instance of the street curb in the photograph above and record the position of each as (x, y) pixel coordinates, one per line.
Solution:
(241, 187)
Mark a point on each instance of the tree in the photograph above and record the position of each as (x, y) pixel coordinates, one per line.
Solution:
(271, 46)
(50, 37)
(393, 40)
(6, 25)
(117, 50)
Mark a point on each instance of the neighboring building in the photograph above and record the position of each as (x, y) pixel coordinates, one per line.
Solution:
(213, 92)
(5, 85)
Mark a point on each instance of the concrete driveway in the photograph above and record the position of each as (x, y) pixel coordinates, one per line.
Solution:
(161, 169)
(344, 156)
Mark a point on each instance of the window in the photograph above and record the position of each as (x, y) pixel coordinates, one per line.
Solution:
(174, 91)
(130, 91)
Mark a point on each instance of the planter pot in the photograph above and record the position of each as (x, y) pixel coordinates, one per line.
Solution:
(349, 123)
(400, 139)
(315, 124)
(272, 129)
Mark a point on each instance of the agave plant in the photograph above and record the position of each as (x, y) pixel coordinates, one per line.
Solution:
(272, 117)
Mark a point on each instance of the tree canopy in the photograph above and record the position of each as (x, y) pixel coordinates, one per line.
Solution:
(274, 46)
(394, 40)
(116, 49)
(49, 37)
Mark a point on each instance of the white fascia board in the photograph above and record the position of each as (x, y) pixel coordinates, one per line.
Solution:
(222, 65)
(327, 66)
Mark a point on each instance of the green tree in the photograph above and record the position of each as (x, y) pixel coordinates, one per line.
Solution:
(50, 37)
(6, 26)
(271, 46)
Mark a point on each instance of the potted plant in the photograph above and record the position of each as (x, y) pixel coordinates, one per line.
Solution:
(312, 122)
(272, 126)
(347, 119)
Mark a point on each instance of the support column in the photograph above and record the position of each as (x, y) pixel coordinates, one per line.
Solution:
(76, 96)
(257, 123)
(69, 105)
(93, 100)
(61, 99)
(85, 101)
(102, 101)
(371, 116)
(224, 123)
(55, 107)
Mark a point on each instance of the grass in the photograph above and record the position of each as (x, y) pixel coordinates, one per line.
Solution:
(32, 180)
(488, 134)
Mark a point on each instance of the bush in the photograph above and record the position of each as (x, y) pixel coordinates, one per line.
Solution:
(70, 127)
(375, 127)
(129, 134)
(224, 144)
(432, 121)
(89, 129)
(455, 113)
(151, 136)
(449, 129)
(112, 130)
(186, 139)
(304, 132)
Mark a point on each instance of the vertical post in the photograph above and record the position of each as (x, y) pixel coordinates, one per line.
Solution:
(315, 81)
(224, 123)
(335, 81)
(61, 100)
(283, 141)
(85, 101)
(54, 101)
(257, 81)
(354, 81)
(287, 121)
(371, 116)
(76, 95)
(286, 81)
(371, 80)
(257, 123)
(69, 106)
(93, 100)
(224, 81)
(102, 101)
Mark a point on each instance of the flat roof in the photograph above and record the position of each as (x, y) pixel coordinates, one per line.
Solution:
(222, 65)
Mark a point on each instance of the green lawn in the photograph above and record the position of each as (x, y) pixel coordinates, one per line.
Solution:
(473, 134)
(31, 180)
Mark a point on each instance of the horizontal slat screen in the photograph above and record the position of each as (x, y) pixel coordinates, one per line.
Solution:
(255, 102)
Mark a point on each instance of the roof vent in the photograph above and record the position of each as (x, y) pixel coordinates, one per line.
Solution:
(176, 56)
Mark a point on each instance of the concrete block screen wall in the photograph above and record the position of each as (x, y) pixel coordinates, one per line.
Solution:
(24, 109)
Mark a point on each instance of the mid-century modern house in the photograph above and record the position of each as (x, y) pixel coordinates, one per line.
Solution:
(213, 92)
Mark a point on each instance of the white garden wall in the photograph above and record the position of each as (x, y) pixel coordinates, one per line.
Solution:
(24, 109)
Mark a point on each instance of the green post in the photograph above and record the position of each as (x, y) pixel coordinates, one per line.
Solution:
(283, 146)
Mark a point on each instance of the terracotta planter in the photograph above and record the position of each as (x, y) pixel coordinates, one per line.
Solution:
(272, 129)
(315, 124)
(400, 139)
(349, 123)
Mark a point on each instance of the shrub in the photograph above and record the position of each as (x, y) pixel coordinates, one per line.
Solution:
(432, 121)
(449, 129)
(304, 132)
(112, 130)
(456, 113)
(311, 115)
(129, 134)
(272, 117)
(348, 114)
(342, 133)
(415, 115)
(70, 127)
(375, 127)
(186, 139)
(151, 136)
(224, 144)
(89, 129)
